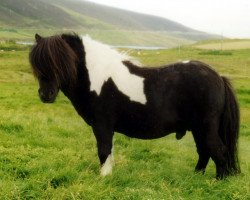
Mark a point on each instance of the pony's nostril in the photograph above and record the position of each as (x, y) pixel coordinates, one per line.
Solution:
(40, 92)
(51, 93)
(46, 94)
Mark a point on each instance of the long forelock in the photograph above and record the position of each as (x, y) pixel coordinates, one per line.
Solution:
(53, 58)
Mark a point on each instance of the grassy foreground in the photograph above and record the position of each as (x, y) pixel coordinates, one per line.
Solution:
(48, 152)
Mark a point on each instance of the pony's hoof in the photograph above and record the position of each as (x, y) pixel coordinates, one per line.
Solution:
(107, 166)
(105, 172)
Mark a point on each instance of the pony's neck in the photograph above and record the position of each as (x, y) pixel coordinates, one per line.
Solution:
(79, 92)
(80, 96)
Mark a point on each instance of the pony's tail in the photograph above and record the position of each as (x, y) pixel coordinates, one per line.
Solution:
(229, 129)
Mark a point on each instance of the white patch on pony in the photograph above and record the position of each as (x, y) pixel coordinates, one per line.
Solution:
(186, 61)
(107, 166)
(103, 63)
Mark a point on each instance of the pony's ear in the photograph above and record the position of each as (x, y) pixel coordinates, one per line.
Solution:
(38, 37)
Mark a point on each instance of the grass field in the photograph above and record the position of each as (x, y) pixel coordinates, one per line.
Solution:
(224, 44)
(48, 152)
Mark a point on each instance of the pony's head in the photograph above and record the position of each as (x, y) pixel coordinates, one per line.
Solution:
(54, 65)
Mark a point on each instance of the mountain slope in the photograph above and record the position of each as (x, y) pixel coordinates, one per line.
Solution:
(35, 13)
(87, 17)
(54, 13)
(122, 18)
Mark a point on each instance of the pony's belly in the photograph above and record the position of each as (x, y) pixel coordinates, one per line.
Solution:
(146, 131)
(145, 135)
(145, 124)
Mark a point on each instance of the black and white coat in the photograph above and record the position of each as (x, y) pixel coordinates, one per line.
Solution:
(112, 94)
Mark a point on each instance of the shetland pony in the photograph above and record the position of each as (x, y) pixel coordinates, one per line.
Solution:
(112, 94)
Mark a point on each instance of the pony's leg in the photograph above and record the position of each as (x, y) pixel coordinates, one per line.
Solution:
(217, 149)
(104, 139)
(202, 151)
(180, 134)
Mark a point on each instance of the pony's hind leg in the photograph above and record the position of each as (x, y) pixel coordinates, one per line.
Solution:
(104, 139)
(202, 151)
(216, 148)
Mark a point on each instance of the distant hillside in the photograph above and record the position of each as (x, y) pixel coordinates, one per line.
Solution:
(48, 16)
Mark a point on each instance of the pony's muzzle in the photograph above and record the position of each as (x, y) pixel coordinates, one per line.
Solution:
(48, 96)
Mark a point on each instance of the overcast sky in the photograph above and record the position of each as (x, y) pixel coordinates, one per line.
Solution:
(230, 18)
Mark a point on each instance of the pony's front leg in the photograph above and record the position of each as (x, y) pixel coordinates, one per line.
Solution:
(104, 139)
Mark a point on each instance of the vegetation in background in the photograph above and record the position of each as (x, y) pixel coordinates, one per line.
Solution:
(223, 44)
(23, 18)
(48, 152)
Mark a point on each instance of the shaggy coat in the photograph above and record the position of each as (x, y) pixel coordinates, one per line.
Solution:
(112, 94)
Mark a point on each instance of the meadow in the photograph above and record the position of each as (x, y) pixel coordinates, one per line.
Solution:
(224, 44)
(48, 152)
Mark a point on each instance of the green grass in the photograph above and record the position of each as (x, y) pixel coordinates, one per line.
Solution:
(216, 53)
(48, 152)
(225, 44)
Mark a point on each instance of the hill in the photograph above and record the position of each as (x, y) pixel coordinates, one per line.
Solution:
(24, 17)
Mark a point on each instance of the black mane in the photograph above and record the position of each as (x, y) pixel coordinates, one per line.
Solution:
(46, 58)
